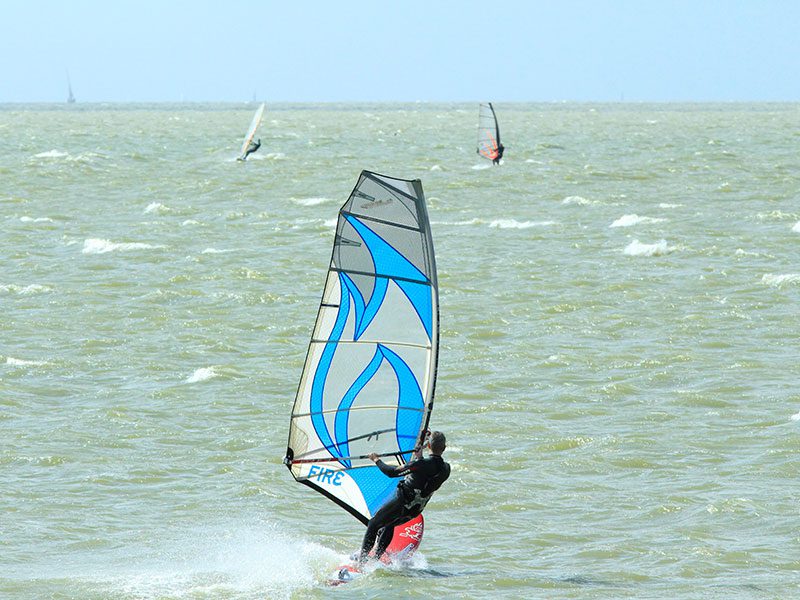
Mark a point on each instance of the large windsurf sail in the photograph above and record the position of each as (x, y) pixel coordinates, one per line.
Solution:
(489, 145)
(251, 132)
(369, 375)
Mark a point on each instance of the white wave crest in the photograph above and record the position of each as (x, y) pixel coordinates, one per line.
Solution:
(215, 251)
(742, 252)
(630, 220)
(436, 168)
(156, 207)
(636, 248)
(51, 154)
(579, 200)
(470, 222)
(330, 222)
(669, 205)
(26, 290)
(202, 374)
(18, 362)
(773, 280)
(190, 222)
(36, 220)
(775, 215)
(796, 227)
(481, 167)
(795, 417)
(98, 246)
(311, 201)
(514, 224)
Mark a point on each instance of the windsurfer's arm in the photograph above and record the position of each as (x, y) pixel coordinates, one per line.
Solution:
(426, 441)
(391, 471)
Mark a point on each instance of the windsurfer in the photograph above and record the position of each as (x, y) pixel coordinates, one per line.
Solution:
(252, 147)
(423, 476)
(498, 154)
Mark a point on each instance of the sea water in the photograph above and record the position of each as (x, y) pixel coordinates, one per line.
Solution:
(618, 376)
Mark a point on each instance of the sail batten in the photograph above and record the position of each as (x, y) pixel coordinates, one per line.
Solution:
(369, 375)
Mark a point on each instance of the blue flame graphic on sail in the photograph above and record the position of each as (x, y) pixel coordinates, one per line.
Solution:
(388, 264)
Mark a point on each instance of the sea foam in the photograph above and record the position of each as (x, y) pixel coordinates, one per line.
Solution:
(796, 227)
(773, 280)
(579, 200)
(156, 207)
(630, 220)
(202, 374)
(51, 154)
(459, 223)
(24, 290)
(98, 246)
(235, 562)
(18, 362)
(514, 224)
(311, 201)
(636, 248)
(36, 220)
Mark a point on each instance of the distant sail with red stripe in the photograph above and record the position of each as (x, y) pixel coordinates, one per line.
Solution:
(489, 145)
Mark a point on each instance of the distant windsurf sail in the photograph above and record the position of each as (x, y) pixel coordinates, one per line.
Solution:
(489, 145)
(251, 132)
(70, 95)
(368, 380)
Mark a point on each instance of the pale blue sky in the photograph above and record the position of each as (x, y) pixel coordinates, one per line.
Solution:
(405, 50)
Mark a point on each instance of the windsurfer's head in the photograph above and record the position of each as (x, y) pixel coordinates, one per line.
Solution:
(438, 442)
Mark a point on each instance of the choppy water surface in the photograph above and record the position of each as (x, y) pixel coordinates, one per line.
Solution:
(618, 374)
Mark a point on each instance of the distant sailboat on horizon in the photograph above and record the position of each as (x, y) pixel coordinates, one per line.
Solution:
(70, 95)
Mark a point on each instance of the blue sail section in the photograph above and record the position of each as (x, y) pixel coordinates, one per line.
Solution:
(321, 373)
(365, 313)
(407, 422)
(343, 412)
(391, 263)
(374, 485)
(420, 297)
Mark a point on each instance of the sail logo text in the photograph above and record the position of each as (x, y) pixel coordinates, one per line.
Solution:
(326, 475)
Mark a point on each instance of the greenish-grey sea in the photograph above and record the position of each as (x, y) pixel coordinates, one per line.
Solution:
(618, 375)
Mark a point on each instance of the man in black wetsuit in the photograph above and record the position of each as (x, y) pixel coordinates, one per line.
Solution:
(500, 150)
(252, 148)
(423, 476)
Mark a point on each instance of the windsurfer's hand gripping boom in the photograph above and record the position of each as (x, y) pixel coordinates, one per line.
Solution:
(426, 443)
(417, 454)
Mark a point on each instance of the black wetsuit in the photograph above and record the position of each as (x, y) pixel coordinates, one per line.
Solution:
(252, 148)
(422, 478)
(500, 150)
